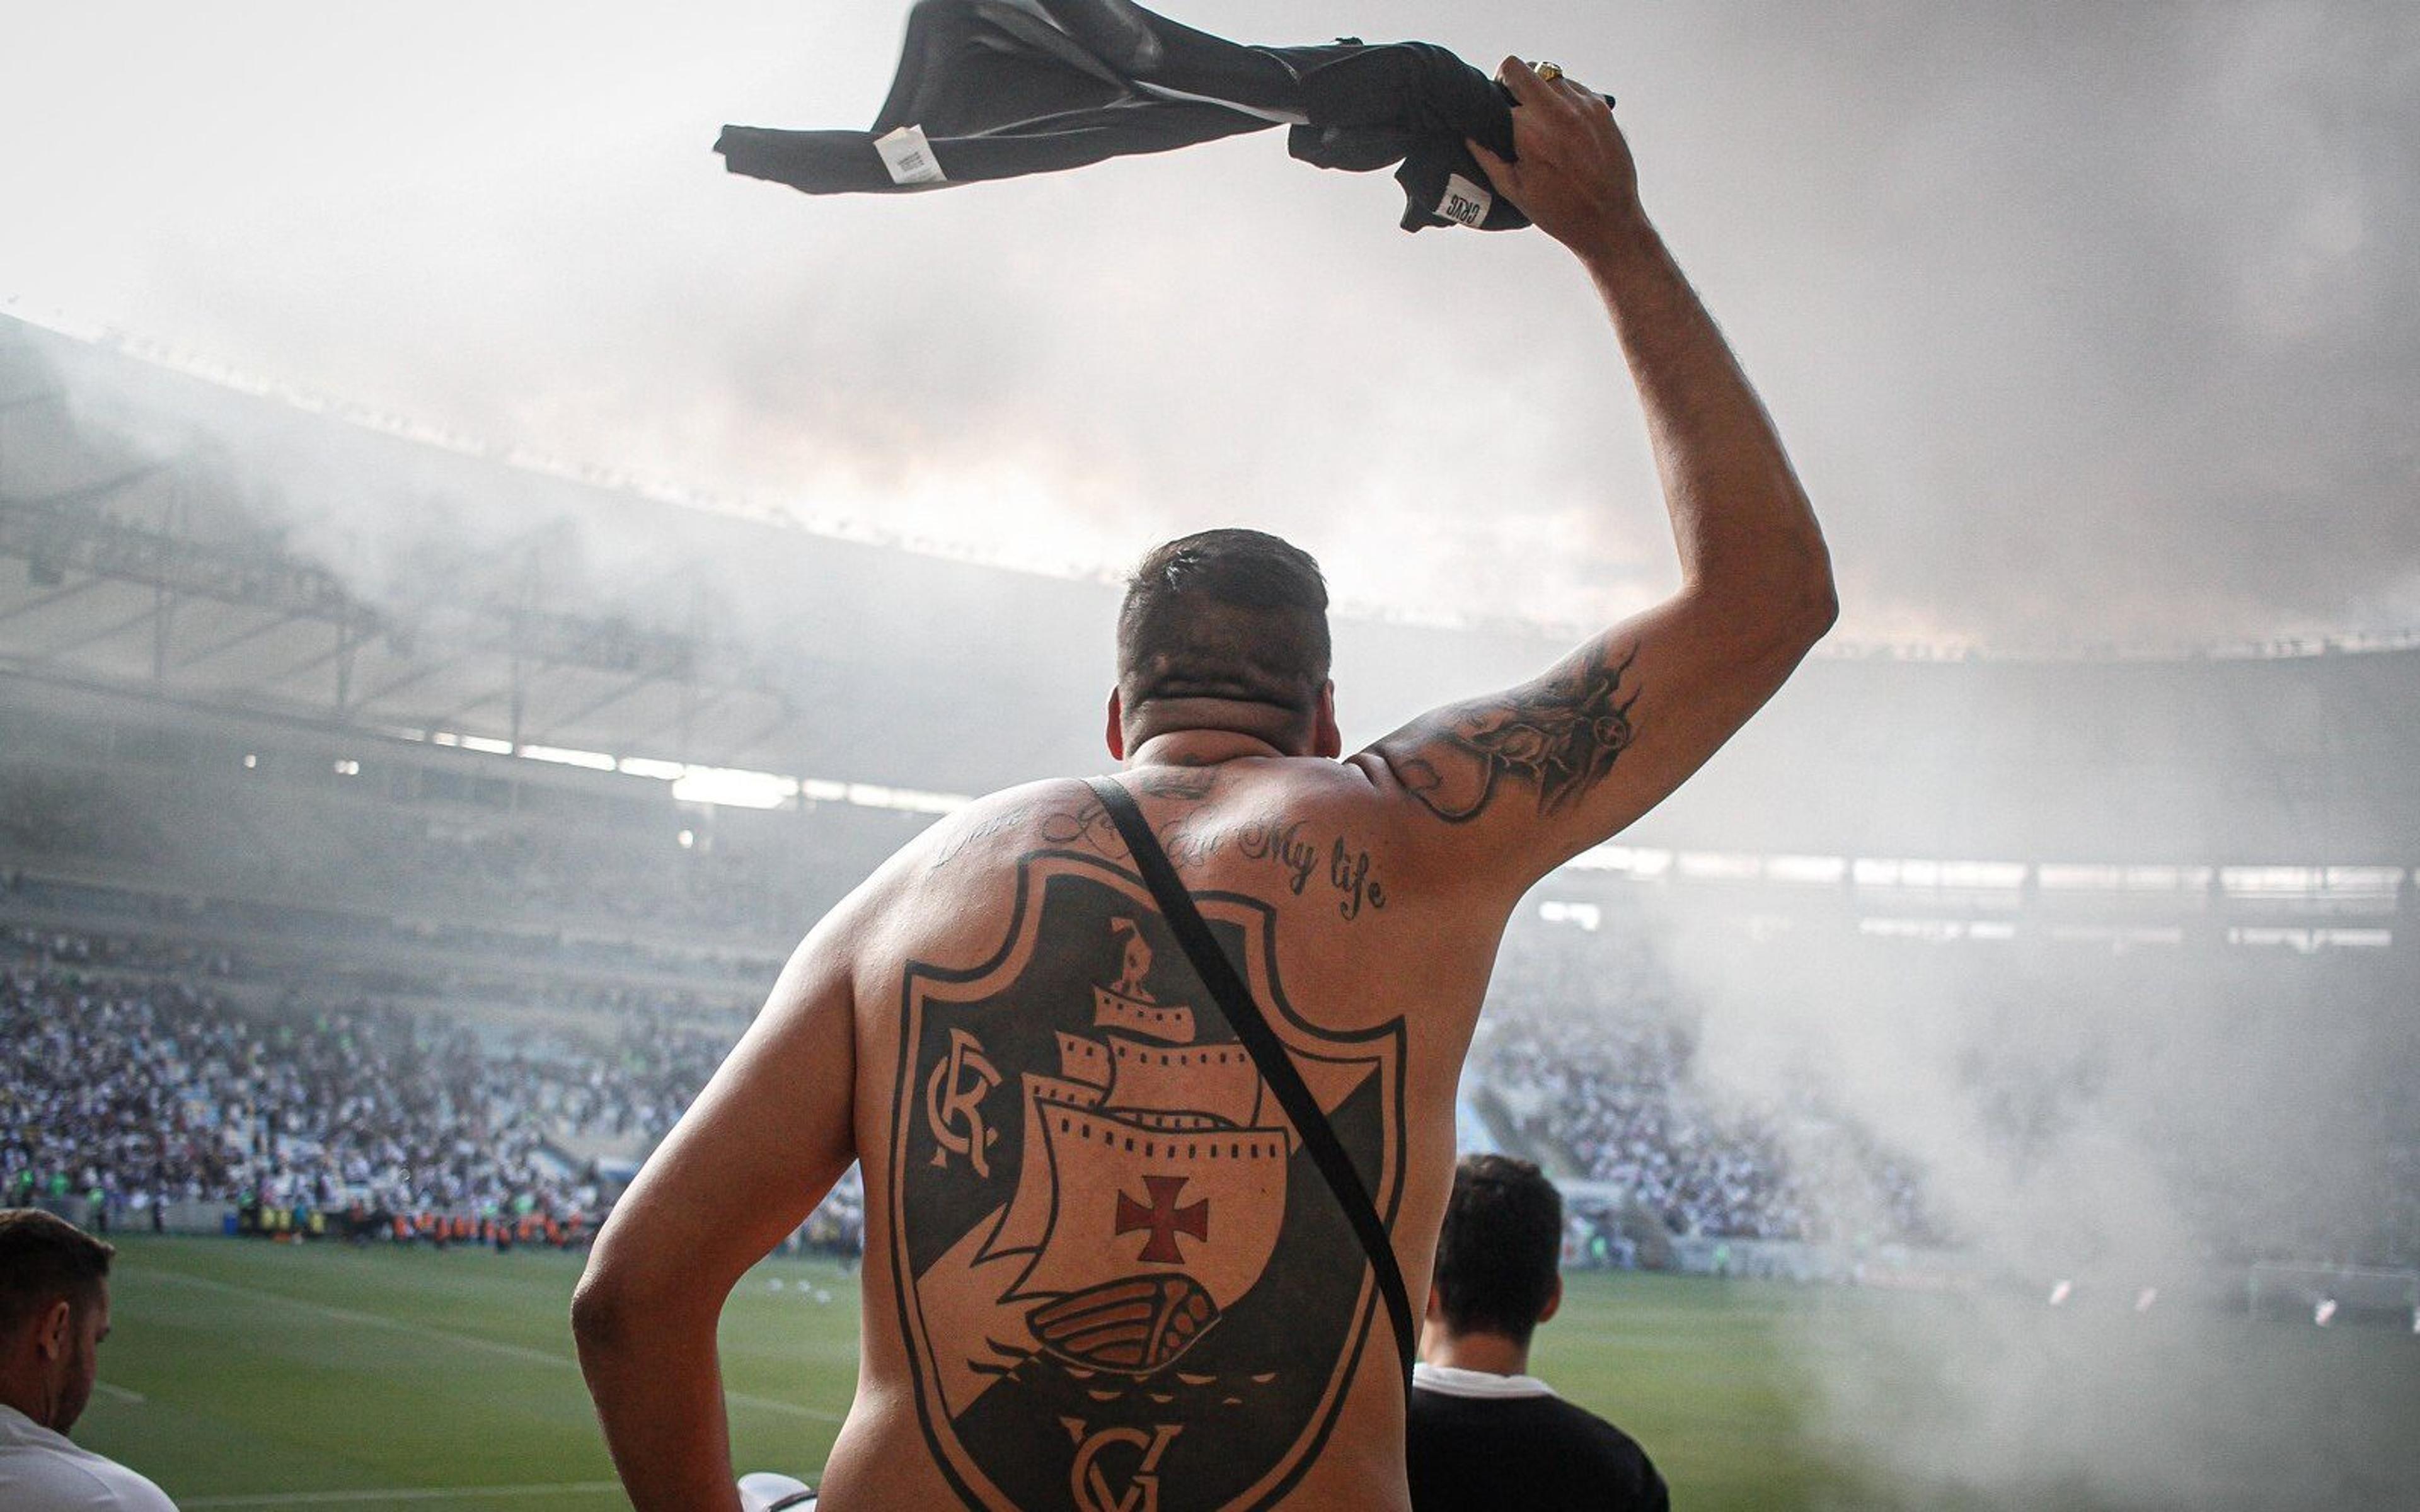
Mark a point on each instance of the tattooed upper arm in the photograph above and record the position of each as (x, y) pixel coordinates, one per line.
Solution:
(1547, 743)
(1538, 773)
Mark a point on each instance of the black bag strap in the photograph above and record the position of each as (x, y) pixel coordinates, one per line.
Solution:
(1277, 1068)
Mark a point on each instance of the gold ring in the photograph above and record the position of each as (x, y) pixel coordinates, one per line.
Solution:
(1550, 72)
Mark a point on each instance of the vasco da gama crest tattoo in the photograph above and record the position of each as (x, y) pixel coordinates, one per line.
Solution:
(1124, 1285)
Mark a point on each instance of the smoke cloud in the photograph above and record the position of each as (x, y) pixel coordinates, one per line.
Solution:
(2087, 323)
(2124, 1123)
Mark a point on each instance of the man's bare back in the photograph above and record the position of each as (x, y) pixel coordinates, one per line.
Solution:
(1100, 1271)
(1098, 1252)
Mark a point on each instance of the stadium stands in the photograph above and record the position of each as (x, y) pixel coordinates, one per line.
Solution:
(465, 861)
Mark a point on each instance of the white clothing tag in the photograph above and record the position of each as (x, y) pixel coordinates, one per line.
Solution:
(908, 155)
(1464, 201)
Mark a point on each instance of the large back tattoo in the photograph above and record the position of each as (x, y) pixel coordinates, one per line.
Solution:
(1122, 1282)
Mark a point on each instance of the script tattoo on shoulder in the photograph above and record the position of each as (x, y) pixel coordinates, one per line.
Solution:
(1087, 825)
(966, 837)
(1558, 737)
(1192, 840)
(1121, 1279)
(1343, 865)
(1078, 820)
(1286, 845)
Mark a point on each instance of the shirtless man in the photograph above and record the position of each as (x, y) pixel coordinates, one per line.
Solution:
(1100, 1271)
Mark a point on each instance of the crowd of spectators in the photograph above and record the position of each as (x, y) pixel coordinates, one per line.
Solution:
(129, 1076)
(1612, 1100)
(130, 1092)
(418, 875)
(138, 1068)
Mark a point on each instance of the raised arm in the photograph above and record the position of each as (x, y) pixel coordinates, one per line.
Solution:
(750, 1159)
(1530, 777)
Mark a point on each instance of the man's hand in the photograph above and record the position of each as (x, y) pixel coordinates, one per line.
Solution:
(1574, 180)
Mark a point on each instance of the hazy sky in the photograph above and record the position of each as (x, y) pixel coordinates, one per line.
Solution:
(2087, 322)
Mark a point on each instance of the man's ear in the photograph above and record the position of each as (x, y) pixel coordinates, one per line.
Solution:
(1117, 732)
(53, 1329)
(1553, 1301)
(1436, 1306)
(1325, 739)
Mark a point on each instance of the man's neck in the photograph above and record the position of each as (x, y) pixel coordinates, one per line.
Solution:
(1200, 747)
(1491, 1353)
(26, 1397)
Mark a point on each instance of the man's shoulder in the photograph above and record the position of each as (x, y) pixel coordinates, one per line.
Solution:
(1582, 1423)
(1064, 810)
(992, 827)
(1530, 1437)
(63, 1477)
(1023, 798)
(134, 1490)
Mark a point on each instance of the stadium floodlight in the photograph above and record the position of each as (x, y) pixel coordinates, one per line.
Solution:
(595, 760)
(731, 788)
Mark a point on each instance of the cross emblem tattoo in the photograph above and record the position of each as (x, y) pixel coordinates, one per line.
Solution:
(1164, 1218)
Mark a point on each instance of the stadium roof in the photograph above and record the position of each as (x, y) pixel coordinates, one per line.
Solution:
(218, 545)
(162, 531)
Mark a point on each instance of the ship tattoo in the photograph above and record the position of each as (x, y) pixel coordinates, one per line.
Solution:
(1122, 1282)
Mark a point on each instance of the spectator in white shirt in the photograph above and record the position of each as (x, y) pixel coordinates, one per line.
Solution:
(1483, 1433)
(54, 1313)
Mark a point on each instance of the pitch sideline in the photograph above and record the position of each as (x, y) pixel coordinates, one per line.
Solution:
(518, 1351)
(405, 1493)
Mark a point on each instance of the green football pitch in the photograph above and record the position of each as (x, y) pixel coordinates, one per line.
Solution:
(256, 1375)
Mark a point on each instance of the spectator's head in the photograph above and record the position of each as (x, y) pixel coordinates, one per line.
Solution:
(1226, 629)
(1497, 1252)
(54, 1313)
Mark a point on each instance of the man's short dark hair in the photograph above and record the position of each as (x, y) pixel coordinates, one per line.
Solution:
(1497, 1253)
(45, 1259)
(1225, 614)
